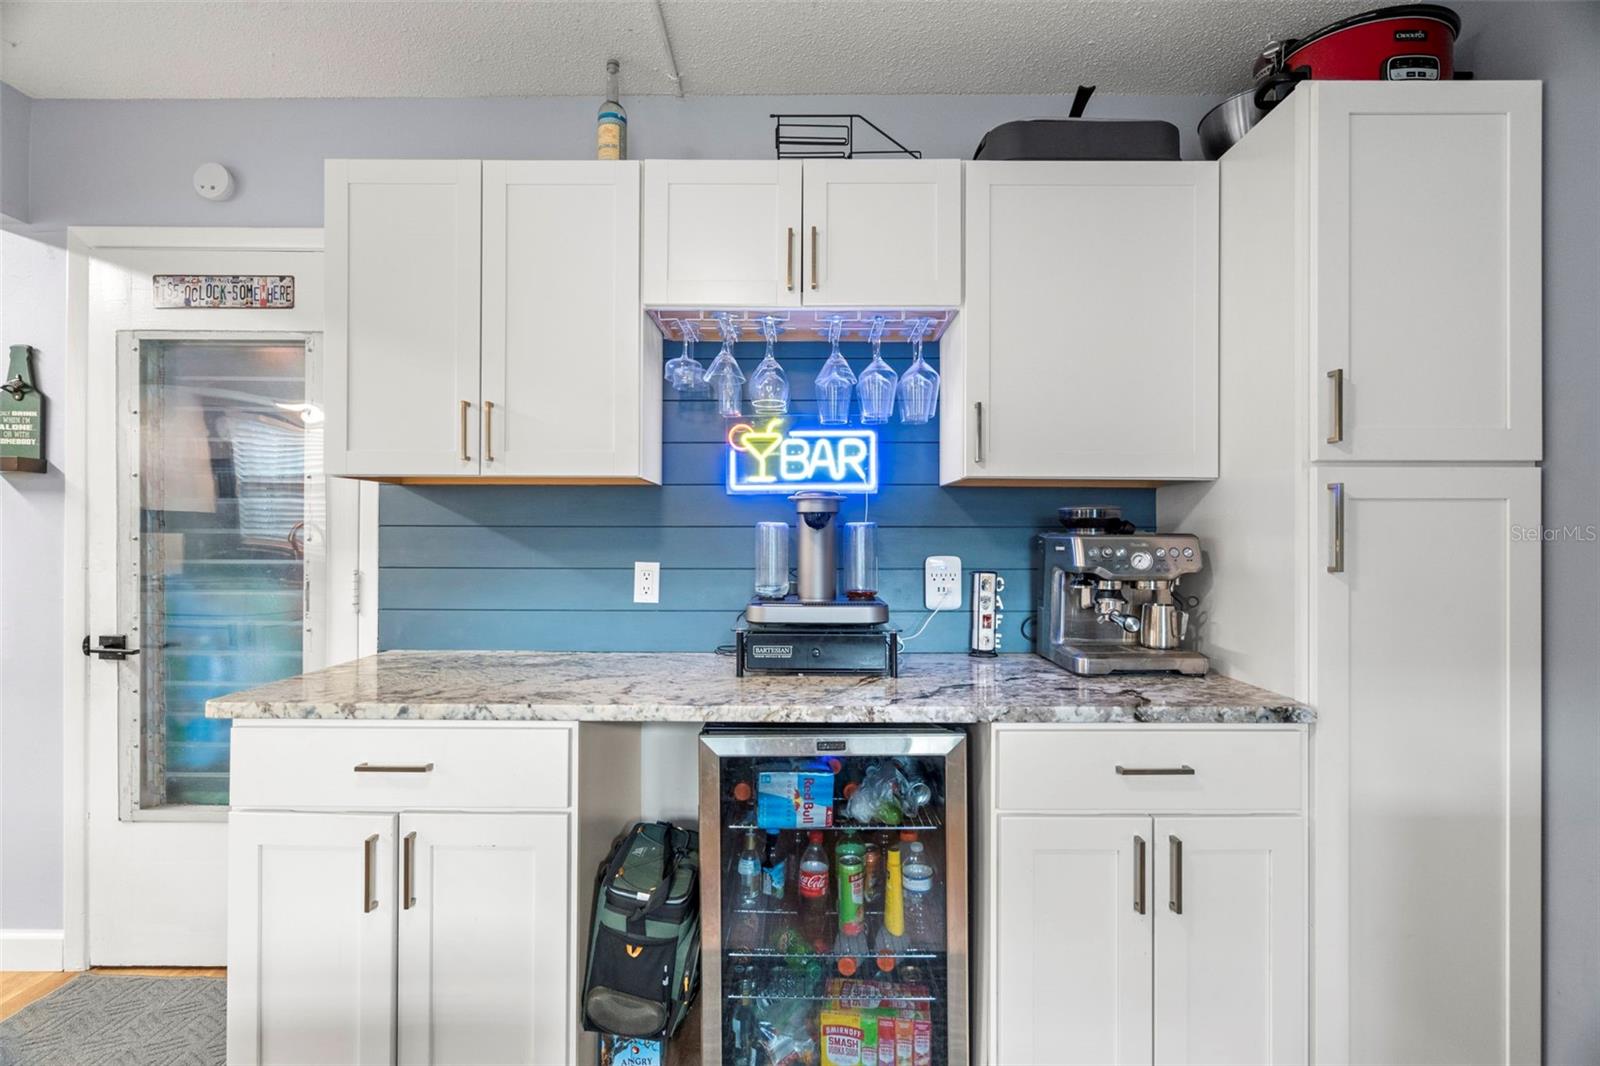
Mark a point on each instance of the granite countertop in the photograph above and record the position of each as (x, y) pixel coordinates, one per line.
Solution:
(701, 687)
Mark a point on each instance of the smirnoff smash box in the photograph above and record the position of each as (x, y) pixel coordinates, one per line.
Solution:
(794, 799)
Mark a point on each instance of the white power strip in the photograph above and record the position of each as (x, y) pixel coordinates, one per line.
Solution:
(941, 583)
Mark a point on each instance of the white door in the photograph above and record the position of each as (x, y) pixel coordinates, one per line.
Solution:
(722, 232)
(1230, 916)
(483, 939)
(565, 385)
(311, 939)
(403, 267)
(1072, 965)
(210, 537)
(1091, 293)
(882, 232)
(1425, 676)
(1425, 276)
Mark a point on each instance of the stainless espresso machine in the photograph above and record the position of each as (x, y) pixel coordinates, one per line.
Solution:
(814, 630)
(1106, 595)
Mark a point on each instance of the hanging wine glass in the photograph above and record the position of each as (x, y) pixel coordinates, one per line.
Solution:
(723, 375)
(769, 386)
(835, 381)
(876, 384)
(919, 385)
(684, 373)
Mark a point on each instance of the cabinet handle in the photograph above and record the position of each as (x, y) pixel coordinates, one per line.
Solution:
(369, 875)
(1336, 534)
(393, 768)
(1138, 875)
(409, 896)
(1156, 771)
(465, 405)
(788, 262)
(813, 257)
(1175, 889)
(1337, 389)
(978, 409)
(488, 431)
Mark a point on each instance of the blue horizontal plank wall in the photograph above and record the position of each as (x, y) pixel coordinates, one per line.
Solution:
(551, 568)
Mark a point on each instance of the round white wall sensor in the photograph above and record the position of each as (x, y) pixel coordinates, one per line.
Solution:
(213, 181)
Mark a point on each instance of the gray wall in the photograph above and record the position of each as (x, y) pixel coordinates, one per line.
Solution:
(15, 119)
(129, 163)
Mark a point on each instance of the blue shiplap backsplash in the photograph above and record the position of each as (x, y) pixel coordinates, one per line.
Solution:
(551, 568)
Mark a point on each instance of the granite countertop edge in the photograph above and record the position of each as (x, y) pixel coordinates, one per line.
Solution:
(700, 687)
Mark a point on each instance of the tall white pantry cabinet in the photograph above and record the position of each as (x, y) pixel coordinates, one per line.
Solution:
(1373, 540)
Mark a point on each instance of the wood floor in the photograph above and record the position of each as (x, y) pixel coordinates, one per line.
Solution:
(18, 988)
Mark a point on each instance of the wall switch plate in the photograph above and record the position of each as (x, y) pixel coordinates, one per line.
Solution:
(941, 582)
(646, 582)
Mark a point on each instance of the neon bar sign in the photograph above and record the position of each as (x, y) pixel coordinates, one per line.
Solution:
(773, 458)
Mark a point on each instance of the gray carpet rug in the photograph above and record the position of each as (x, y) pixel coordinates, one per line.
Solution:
(107, 1020)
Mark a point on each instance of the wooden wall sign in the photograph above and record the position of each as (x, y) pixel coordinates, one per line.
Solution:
(21, 416)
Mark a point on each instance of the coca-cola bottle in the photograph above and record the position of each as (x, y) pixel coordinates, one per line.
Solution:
(816, 920)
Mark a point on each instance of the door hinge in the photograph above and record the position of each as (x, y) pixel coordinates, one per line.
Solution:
(110, 648)
(355, 591)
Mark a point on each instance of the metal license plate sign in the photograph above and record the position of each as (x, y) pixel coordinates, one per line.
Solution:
(273, 292)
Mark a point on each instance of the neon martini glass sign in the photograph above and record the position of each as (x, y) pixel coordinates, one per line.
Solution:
(772, 457)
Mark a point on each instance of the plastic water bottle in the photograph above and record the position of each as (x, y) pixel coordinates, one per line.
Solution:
(921, 923)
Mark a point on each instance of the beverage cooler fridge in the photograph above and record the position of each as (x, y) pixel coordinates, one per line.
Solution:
(834, 900)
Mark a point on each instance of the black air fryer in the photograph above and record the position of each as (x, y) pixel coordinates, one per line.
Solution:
(1077, 138)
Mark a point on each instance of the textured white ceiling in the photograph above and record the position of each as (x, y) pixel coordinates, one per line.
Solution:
(429, 48)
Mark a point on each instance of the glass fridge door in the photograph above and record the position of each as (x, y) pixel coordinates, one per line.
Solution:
(835, 913)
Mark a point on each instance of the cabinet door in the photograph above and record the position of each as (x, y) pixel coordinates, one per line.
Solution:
(722, 232)
(1090, 341)
(311, 913)
(565, 388)
(401, 376)
(1072, 951)
(1426, 270)
(1425, 676)
(1230, 940)
(882, 232)
(484, 963)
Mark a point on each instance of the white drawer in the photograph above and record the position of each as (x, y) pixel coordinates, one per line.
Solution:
(1251, 768)
(315, 764)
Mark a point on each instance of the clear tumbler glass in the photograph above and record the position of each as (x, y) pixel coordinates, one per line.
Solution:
(861, 560)
(772, 560)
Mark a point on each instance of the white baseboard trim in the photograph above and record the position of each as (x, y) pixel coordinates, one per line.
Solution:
(31, 949)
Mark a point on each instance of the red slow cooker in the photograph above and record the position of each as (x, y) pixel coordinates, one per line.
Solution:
(1409, 42)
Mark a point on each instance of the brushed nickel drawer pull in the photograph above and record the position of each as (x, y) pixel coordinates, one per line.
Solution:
(465, 406)
(1336, 535)
(813, 257)
(1156, 771)
(1175, 890)
(409, 896)
(1337, 389)
(393, 768)
(1138, 875)
(369, 874)
(488, 431)
(788, 262)
(978, 410)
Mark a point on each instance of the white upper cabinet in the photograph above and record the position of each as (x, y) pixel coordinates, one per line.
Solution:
(566, 392)
(883, 232)
(1425, 270)
(828, 233)
(401, 375)
(722, 232)
(1088, 345)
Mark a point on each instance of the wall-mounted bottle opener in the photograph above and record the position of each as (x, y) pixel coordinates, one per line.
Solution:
(986, 612)
(21, 416)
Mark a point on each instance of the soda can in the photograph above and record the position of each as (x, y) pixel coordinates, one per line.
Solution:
(852, 878)
(874, 873)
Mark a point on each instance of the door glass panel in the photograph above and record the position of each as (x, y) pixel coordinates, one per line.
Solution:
(226, 452)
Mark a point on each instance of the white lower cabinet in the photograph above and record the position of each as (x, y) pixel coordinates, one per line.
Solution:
(417, 936)
(1160, 938)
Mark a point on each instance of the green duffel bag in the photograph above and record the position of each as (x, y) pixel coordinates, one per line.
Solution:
(644, 936)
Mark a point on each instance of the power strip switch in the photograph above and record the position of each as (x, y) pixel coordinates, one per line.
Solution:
(941, 583)
(986, 613)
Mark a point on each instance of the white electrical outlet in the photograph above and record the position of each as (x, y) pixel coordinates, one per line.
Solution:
(941, 582)
(646, 582)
